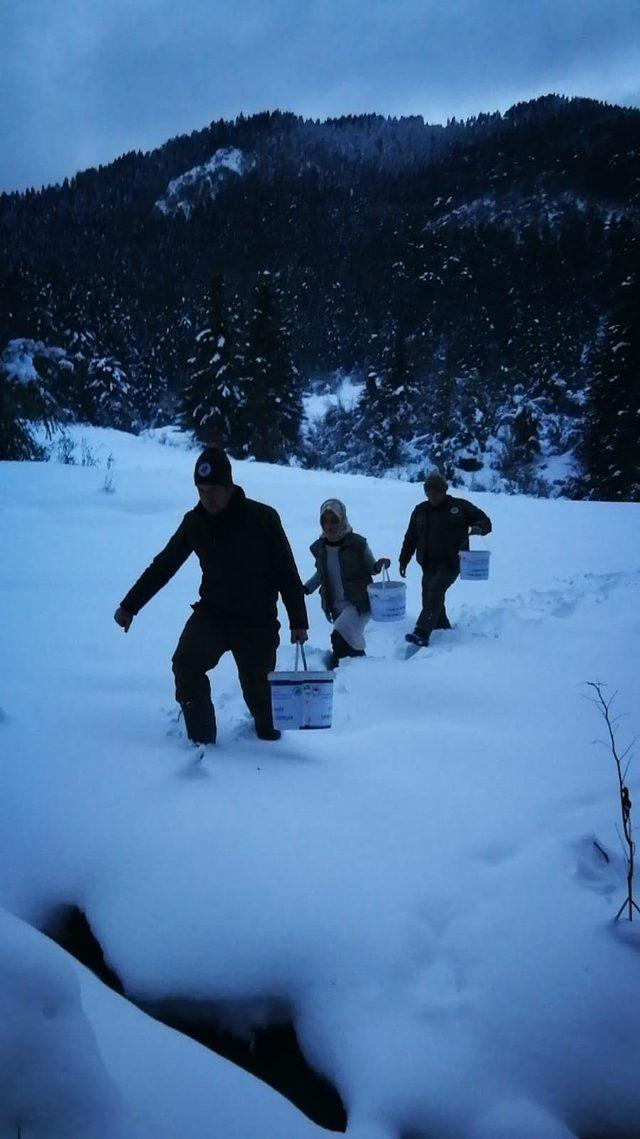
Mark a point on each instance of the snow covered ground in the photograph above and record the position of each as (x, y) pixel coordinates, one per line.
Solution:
(418, 887)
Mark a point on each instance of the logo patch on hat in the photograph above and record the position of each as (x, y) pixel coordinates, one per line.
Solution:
(454, 510)
(204, 469)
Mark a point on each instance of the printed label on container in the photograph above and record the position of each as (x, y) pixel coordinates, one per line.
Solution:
(302, 704)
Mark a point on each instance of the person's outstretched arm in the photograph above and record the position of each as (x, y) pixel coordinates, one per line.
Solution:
(289, 585)
(313, 583)
(479, 522)
(409, 545)
(373, 565)
(161, 570)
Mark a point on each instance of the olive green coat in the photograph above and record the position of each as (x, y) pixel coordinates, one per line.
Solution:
(356, 568)
(455, 516)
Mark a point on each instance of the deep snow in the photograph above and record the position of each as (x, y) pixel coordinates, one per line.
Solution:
(419, 885)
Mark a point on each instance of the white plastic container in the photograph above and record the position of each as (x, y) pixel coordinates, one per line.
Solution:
(474, 565)
(388, 599)
(301, 699)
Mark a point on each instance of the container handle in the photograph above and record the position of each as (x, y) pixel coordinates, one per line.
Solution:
(468, 540)
(300, 649)
(385, 577)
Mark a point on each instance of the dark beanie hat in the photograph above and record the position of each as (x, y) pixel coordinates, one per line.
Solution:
(435, 481)
(212, 468)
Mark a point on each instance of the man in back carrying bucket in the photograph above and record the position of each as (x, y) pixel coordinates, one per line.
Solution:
(246, 561)
(438, 530)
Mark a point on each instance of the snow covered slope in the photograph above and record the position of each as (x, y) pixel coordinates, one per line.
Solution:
(201, 182)
(418, 886)
(79, 1062)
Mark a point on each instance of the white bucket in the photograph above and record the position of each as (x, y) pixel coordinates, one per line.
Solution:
(301, 699)
(388, 599)
(474, 565)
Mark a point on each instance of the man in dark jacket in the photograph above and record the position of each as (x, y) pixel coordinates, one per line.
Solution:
(246, 562)
(438, 529)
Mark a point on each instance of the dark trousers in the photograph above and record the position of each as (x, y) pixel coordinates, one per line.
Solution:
(435, 583)
(204, 639)
(341, 649)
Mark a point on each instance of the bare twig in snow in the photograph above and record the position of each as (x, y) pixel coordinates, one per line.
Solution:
(604, 705)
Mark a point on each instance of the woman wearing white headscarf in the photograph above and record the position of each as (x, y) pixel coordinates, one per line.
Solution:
(344, 568)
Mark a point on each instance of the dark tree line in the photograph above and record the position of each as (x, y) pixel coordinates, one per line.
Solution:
(611, 445)
(470, 277)
(244, 390)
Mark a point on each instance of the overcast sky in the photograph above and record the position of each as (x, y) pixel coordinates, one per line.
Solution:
(82, 81)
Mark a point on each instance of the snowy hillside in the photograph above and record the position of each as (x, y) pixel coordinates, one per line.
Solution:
(416, 890)
(201, 182)
(475, 282)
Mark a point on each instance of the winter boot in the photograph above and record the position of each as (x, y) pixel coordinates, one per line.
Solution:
(341, 650)
(267, 732)
(332, 659)
(417, 638)
(200, 721)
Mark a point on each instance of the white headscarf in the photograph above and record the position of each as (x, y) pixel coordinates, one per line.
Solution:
(339, 509)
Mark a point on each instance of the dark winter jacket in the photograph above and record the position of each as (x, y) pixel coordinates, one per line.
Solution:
(245, 559)
(436, 534)
(356, 567)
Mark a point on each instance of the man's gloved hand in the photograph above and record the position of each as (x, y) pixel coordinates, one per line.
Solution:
(299, 636)
(122, 618)
(402, 570)
(382, 563)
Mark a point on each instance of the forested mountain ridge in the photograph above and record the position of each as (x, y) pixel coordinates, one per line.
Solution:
(477, 280)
